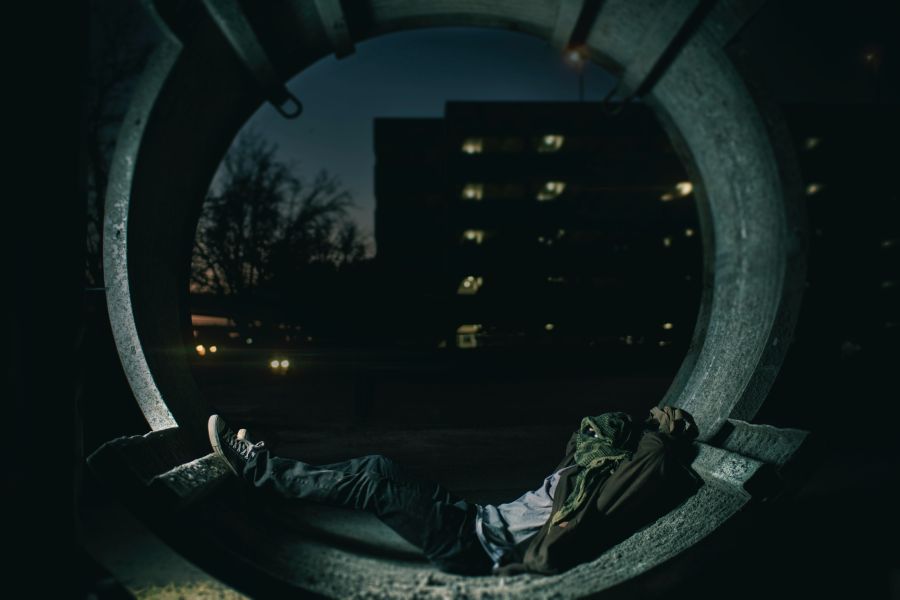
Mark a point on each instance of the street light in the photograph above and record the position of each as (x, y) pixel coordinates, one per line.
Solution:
(576, 56)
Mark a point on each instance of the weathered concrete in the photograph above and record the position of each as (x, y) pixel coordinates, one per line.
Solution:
(349, 554)
(773, 445)
(728, 137)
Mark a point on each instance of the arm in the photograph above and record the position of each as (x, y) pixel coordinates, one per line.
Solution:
(642, 489)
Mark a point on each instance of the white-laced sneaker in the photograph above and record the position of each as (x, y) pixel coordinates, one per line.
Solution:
(235, 449)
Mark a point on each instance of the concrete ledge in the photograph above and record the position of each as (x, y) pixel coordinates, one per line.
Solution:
(189, 482)
(772, 445)
(349, 554)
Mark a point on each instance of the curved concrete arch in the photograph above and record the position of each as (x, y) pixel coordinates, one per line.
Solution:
(196, 95)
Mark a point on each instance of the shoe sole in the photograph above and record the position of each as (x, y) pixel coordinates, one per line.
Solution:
(213, 432)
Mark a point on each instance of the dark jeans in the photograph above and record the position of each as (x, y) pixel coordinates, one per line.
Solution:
(421, 512)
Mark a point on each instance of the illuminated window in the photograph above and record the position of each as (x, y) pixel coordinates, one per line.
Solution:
(467, 336)
(473, 191)
(814, 188)
(667, 241)
(473, 145)
(470, 285)
(473, 236)
(667, 326)
(811, 142)
(550, 143)
(551, 190)
(684, 188)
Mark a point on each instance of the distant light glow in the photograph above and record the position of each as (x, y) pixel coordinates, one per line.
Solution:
(473, 191)
(473, 146)
(274, 364)
(213, 349)
(814, 188)
(888, 283)
(667, 197)
(210, 321)
(549, 326)
(474, 235)
(285, 363)
(556, 279)
(684, 188)
(551, 190)
(575, 56)
(689, 232)
(667, 326)
(664, 343)
(234, 334)
(249, 341)
(551, 143)
(667, 241)
(888, 243)
(201, 350)
(811, 142)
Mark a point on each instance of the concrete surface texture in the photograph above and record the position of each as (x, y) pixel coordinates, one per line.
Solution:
(745, 186)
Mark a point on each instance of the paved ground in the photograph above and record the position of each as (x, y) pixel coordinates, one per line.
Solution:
(489, 441)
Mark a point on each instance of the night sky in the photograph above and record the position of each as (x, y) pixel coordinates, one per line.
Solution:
(410, 74)
(802, 51)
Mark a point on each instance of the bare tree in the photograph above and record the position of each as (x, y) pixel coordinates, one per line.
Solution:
(261, 225)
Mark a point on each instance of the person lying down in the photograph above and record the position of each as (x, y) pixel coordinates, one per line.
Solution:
(619, 473)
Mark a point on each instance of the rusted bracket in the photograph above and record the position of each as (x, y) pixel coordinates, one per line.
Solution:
(334, 22)
(231, 20)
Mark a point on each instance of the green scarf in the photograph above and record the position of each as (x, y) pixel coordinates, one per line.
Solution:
(596, 456)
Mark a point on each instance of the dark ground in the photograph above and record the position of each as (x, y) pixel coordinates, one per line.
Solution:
(834, 535)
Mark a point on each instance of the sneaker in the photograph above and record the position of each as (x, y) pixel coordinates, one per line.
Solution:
(234, 449)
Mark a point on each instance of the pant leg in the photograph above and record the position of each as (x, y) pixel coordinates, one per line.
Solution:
(422, 512)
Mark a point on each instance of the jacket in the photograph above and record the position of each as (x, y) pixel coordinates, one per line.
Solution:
(640, 490)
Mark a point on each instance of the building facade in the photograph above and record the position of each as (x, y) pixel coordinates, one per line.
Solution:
(529, 225)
